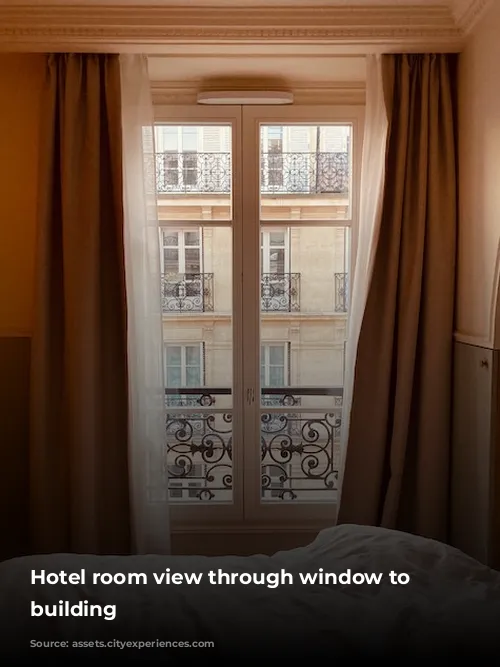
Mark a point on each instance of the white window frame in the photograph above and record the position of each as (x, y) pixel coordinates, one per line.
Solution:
(247, 513)
(265, 347)
(179, 154)
(287, 516)
(266, 249)
(183, 366)
(181, 262)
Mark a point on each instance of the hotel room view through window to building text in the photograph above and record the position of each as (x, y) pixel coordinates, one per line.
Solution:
(255, 221)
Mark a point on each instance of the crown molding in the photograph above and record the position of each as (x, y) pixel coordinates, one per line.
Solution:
(148, 28)
(304, 92)
(467, 13)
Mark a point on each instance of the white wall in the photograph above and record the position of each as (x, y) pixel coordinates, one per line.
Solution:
(475, 480)
(479, 235)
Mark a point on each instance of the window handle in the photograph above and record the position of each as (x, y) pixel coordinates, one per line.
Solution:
(250, 396)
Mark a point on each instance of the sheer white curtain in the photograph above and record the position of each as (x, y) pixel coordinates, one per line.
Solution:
(148, 484)
(370, 212)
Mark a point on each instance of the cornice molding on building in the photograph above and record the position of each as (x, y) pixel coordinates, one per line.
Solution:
(468, 12)
(115, 28)
(319, 92)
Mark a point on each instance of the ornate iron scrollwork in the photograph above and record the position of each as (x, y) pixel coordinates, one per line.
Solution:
(280, 292)
(187, 292)
(299, 450)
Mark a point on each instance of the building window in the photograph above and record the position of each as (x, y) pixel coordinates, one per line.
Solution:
(184, 369)
(181, 251)
(183, 365)
(273, 365)
(274, 249)
(180, 157)
(274, 175)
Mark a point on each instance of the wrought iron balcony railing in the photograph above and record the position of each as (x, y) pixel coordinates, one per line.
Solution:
(187, 292)
(305, 173)
(341, 292)
(194, 293)
(280, 292)
(281, 173)
(299, 445)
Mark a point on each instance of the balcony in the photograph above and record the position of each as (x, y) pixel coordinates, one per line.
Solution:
(194, 293)
(187, 292)
(316, 173)
(280, 292)
(299, 444)
(305, 173)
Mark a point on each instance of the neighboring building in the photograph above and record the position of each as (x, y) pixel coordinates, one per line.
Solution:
(304, 296)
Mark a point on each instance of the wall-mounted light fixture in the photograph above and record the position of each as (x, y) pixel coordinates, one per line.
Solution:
(245, 97)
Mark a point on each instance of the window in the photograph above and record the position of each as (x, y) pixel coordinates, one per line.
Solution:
(273, 366)
(182, 277)
(181, 251)
(183, 371)
(279, 288)
(183, 366)
(270, 222)
(273, 162)
(179, 147)
(274, 251)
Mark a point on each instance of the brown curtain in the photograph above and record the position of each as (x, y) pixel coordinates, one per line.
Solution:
(398, 453)
(79, 423)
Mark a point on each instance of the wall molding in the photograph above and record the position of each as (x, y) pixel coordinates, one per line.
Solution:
(127, 27)
(473, 340)
(468, 12)
(175, 92)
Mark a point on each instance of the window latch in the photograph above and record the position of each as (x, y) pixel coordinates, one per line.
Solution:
(250, 396)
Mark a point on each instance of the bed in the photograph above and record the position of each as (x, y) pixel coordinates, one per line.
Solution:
(450, 605)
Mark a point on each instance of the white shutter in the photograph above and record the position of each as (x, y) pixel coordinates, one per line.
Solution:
(159, 139)
(333, 139)
(212, 139)
(167, 137)
(299, 140)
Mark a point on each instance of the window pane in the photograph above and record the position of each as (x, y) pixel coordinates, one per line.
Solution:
(309, 303)
(170, 238)
(193, 165)
(192, 355)
(193, 376)
(311, 176)
(188, 307)
(277, 355)
(277, 261)
(192, 260)
(192, 238)
(174, 355)
(174, 376)
(171, 260)
(277, 238)
(276, 376)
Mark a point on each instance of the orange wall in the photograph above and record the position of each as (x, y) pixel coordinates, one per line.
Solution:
(21, 79)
